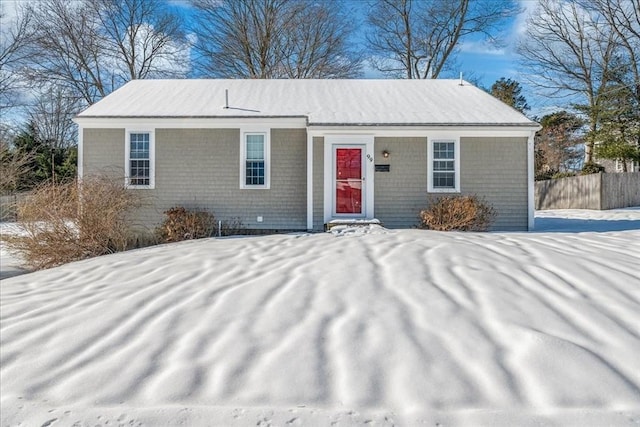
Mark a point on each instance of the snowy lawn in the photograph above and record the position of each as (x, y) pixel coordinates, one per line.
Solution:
(368, 327)
(10, 263)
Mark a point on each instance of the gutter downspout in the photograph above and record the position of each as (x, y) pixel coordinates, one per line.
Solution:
(309, 181)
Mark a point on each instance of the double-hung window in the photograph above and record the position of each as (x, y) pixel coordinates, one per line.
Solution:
(444, 174)
(254, 160)
(139, 160)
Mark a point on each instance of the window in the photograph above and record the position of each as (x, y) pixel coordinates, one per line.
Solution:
(444, 170)
(139, 160)
(254, 160)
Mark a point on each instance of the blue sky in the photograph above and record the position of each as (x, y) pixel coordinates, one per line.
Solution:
(484, 63)
(478, 61)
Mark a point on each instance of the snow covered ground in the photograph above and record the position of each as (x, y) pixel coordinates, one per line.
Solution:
(358, 327)
(10, 263)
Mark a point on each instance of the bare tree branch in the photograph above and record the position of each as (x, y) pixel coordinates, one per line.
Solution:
(51, 116)
(142, 36)
(274, 39)
(417, 39)
(70, 48)
(15, 165)
(568, 51)
(623, 17)
(14, 39)
(91, 47)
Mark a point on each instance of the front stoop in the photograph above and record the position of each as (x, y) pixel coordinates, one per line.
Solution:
(351, 223)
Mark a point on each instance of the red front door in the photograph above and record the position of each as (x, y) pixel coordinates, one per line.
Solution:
(349, 180)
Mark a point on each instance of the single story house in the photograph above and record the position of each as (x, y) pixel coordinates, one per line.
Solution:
(297, 154)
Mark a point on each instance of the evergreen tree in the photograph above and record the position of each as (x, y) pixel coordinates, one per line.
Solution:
(556, 144)
(510, 92)
(618, 134)
(47, 162)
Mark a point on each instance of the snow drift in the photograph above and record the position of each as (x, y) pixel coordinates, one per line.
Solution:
(375, 327)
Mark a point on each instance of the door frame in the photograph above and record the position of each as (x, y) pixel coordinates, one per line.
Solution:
(334, 169)
(331, 143)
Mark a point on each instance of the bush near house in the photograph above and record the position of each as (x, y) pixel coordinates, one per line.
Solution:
(458, 213)
(182, 224)
(65, 222)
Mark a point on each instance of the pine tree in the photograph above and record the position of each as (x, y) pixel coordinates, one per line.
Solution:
(510, 92)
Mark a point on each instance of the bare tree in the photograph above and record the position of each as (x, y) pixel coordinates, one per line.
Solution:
(316, 45)
(568, 51)
(621, 119)
(15, 165)
(143, 36)
(623, 17)
(417, 39)
(274, 39)
(14, 38)
(51, 114)
(92, 47)
(70, 49)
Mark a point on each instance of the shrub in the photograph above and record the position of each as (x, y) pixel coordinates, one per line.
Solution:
(460, 213)
(563, 175)
(232, 227)
(182, 224)
(544, 175)
(591, 167)
(65, 222)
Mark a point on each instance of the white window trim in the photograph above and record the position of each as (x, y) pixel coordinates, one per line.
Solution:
(152, 159)
(456, 165)
(267, 158)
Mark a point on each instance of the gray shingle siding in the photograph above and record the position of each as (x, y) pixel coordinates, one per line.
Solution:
(496, 168)
(401, 193)
(200, 169)
(103, 151)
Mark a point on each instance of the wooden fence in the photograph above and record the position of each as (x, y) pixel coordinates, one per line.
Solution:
(596, 191)
(8, 206)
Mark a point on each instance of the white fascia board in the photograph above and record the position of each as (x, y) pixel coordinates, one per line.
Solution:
(191, 123)
(420, 131)
(80, 168)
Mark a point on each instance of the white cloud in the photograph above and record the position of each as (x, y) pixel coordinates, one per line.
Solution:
(520, 23)
(179, 3)
(481, 47)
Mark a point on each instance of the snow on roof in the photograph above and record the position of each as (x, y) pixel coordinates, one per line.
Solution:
(322, 102)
